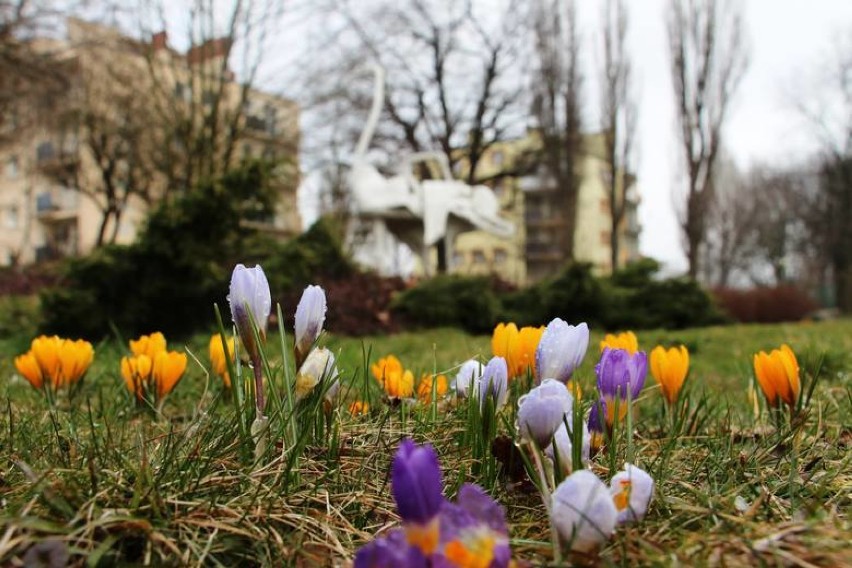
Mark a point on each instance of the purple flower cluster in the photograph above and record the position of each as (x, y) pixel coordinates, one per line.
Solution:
(436, 532)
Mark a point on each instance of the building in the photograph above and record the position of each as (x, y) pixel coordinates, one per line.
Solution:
(138, 120)
(532, 201)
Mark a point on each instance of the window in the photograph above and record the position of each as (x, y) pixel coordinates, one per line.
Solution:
(478, 257)
(499, 188)
(605, 206)
(605, 237)
(12, 167)
(45, 151)
(500, 256)
(10, 217)
(458, 259)
(208, 97)
(497, 158)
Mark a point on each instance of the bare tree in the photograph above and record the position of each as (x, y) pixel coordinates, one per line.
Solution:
(708, 59)
(557, 107)
(619, 116)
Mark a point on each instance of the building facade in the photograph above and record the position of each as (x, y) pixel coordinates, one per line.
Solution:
(533, 202)
(84, 169)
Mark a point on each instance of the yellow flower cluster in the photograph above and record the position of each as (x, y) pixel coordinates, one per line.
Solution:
(152, 368)
(516, 346)
(217, 357)
(55, 362)
(625, 340)
(396, 381)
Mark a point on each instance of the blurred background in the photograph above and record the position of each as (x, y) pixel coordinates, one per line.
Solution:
(664, 164)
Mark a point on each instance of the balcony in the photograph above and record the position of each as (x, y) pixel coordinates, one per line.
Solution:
(543, 252)
(53, 207)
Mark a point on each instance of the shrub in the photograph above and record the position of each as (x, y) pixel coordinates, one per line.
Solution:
(765, 304)
(468, 303)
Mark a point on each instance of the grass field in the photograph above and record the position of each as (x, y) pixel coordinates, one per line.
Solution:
(112, 484)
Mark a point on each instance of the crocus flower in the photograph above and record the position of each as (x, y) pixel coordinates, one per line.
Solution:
(625, 340)
(148, 345)
(620, 373)
(310, 315)
(55, 361)
(468, 377)
(435, 532)
(217, 357)
(359, 408)
(582, 511)
(669, 367)
(424, 389)
(631, 490)
(249, 299)
(542, 410)
(494, 383)
(396, 382)
(596, 423)
(778, 375)
(561, 450)
(318, 366)
(168, 369)
(561, 350)
(517, 346)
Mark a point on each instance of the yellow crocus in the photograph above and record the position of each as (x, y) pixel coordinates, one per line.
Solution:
(359, 408)
(516, 346)
(778, 375)
(28, 367)
(670, 367)
(626, 340)
(389, 365)
(168, 369)
(217, 357)
(60, 362)
(136, 371)
(148, 345)
(424, 389)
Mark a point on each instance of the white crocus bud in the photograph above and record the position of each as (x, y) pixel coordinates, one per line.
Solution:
(631, 490)
(582, 511)
(310, 316)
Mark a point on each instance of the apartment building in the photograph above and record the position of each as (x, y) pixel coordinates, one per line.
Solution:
(532, 200)
(64, 191)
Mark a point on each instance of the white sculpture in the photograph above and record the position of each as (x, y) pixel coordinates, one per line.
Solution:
(418, 213)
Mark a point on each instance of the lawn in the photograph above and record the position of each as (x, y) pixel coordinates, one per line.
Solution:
(109, 483)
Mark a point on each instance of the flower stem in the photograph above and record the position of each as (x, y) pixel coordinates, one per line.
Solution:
(259, 401)
(544, 489)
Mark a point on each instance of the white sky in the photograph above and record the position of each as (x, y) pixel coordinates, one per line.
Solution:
(789, 40)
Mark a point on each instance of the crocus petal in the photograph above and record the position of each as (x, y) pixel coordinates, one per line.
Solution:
(392, 551)
(318, 366)
(561, 350)
(562, 448)
(582, 511)
(167, 371)
(27, 366)
(542, 410)
(632, 490)
(416, 482)
(249, 290)
(494, 383)
(468, 376)
(310, 315)
(148, 345)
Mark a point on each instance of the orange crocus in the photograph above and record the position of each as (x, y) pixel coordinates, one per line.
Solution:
(169, 367)
(61, 362)
(148, 345)
(424, 389)
(136, 371)
(359, 408)
(217, 357)
(778, 375)
(626, 340)
(670, 367)
(516, 346)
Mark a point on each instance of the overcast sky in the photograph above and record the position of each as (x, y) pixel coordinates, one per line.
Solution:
(790, 41)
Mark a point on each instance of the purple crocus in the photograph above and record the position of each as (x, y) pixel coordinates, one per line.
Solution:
(436, 532)
(620, 373)
(561, 350)
(416, 483)
(542, 410)
(596, 424)
(494, 383)
(310, 315)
